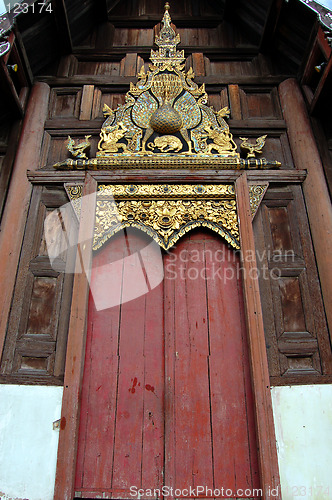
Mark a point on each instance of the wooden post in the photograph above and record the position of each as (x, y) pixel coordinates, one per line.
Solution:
(268, 460)
(317, 199)
(17, 204)
(235, 101)
(71, 401)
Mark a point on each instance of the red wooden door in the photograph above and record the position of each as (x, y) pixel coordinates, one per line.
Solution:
(166, 390)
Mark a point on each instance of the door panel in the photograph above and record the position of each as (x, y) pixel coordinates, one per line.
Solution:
(210, 436)
(167, 374)
(121, 438)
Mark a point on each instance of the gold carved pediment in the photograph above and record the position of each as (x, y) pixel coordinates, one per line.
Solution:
(166, 211)
(166, 122)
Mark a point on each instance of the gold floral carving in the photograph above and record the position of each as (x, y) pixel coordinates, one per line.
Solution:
(166, 211)
(166, 220)
(165, 121)
(256, 194)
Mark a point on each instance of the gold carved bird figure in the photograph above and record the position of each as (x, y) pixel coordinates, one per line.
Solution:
(77, 150)
(253, 148)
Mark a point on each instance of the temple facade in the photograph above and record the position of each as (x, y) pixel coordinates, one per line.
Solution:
(166, 232)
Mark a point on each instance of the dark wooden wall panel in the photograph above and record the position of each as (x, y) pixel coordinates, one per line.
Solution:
(65, 102)
(37, 332)
(294, 320)
(260, 103)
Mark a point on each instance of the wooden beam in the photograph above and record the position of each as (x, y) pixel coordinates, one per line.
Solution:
(121, 83)
(116, 53)
(149, 21)
(268, 460)
(271, 24)
(183, 175)
(62, 24)
(111, 4)
(69, 426)
(57, 126)
(86, 102)
(23, 56)
(16, 208)
(306, 155)
(7, 164)
(235, 102)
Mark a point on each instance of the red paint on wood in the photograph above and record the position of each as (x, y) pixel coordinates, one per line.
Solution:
(191, 425)
(167, 374)
(210, 434)
(121, 429)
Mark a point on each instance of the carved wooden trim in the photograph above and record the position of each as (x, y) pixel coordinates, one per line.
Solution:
(68, 439)
(317, 199)
(185, 175)
(16, 209)
(268, 459)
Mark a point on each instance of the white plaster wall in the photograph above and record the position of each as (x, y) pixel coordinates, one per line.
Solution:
(28, 443)
(303, 423)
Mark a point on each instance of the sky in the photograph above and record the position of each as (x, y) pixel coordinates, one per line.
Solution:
(326, 3)
(2, 7)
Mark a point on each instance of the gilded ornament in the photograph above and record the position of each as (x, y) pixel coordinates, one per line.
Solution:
(256, 194)
(166, 143)
(109, 138)
(166, 120)
(78, 150)
(166, 123)
(253, 148)
(164, 211)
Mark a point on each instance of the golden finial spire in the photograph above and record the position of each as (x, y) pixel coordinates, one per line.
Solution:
(167, 41)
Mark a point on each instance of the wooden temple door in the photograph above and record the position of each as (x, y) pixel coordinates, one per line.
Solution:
(166, 390)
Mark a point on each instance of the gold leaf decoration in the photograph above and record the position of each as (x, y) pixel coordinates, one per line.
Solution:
(166, 101)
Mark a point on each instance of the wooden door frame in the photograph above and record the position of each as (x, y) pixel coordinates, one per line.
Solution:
(68, 439)
(266, 440)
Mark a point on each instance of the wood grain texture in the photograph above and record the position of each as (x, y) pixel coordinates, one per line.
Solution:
(295, 324)
(122, 82)
(185, 175)
(15, 212)
(166, 339)
(122, 419)
(67, 450)
(317, 199)
(268, 460)
(235, 103)
(86, 102)
(198, 64)
(209, 428)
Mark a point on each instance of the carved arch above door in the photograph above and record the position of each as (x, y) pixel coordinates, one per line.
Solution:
(166, 211)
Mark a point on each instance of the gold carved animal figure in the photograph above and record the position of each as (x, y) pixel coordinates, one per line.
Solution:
(109, 139)
(222, 140)
(253, 148)
(77, 150)
(166, 143)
